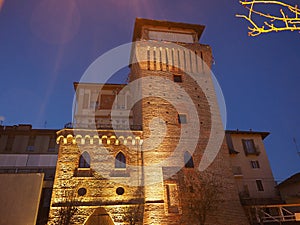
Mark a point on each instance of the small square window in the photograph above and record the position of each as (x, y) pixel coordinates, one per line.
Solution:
(177, 78)
(182, 119)
(255, 164)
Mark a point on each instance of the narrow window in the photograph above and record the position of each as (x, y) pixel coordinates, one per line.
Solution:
(154, 58)
(160, 59)
(178, 56)
(120, 161)
(255, 164)
(182, 119)
(30, 145)
(172, 61)
(148, 58)
(259, 185)
(188, 160)
(86, 99)
(202, 63)
(9, 143)
(196, 61)
(84, 160)
(184, 60)
(172, 198)
(52, 145)
(191, 61)
(167, 59)
(249, 147)
(177, 78)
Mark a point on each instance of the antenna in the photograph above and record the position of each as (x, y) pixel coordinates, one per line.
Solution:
(297, 148)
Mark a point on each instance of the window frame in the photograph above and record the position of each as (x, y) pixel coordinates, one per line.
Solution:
(180, 121)
(255, 164)
(177, 78)
(188, 160)
(84, 161)
(259, 185)
(120, 161)
(86, 100)
(250, 149)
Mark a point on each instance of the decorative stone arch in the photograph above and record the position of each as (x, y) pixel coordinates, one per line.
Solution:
(113, 139)
(69, 139)
(88, 139)
(99, 217)
(96, 139)
(104, 140)
(78, 139)
(59, 139)
(121, 140)
(129, 140)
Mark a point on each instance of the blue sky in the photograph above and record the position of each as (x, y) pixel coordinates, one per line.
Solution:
(47, 45)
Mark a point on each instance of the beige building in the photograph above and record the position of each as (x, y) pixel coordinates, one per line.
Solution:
(251, 167)
(290, 189)
(20, 197)
(255, 182)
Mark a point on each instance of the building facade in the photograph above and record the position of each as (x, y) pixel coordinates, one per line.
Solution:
(134, 150)
(24, 150)
(120, 163)
(290, 189)
(251, 167)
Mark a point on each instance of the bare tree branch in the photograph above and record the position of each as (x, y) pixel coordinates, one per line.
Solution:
(67, 211)
(272, 23)
(204, 191)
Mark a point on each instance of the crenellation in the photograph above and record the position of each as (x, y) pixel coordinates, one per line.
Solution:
(142, 173)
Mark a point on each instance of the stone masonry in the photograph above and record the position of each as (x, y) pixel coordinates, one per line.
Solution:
(175, 104)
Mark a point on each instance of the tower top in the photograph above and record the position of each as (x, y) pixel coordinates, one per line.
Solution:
(145, 29)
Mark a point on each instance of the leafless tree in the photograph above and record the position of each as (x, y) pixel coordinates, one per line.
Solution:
(133, 214)
(67, 211)
(204, 193)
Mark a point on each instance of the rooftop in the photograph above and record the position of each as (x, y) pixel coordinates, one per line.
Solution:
(140, 22)
(263, 134)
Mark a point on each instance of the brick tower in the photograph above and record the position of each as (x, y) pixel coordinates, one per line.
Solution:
(138, 172)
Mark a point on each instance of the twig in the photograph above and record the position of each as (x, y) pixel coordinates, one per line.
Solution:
(275, 23)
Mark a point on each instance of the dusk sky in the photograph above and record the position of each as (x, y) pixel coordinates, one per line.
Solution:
(46, 45)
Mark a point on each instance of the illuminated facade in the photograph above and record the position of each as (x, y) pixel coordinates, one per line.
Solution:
(109, 170)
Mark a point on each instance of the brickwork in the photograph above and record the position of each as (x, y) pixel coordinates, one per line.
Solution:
(153, 178)
(230, 210)
(100, 191)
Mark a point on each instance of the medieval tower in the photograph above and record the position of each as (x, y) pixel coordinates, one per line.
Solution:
(133, 152)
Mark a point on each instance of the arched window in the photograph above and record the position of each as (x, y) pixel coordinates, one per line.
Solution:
(84, 160)
(120, 161)
(188, 160)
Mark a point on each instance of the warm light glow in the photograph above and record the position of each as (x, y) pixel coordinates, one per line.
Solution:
(285, 22)
(1, 4)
